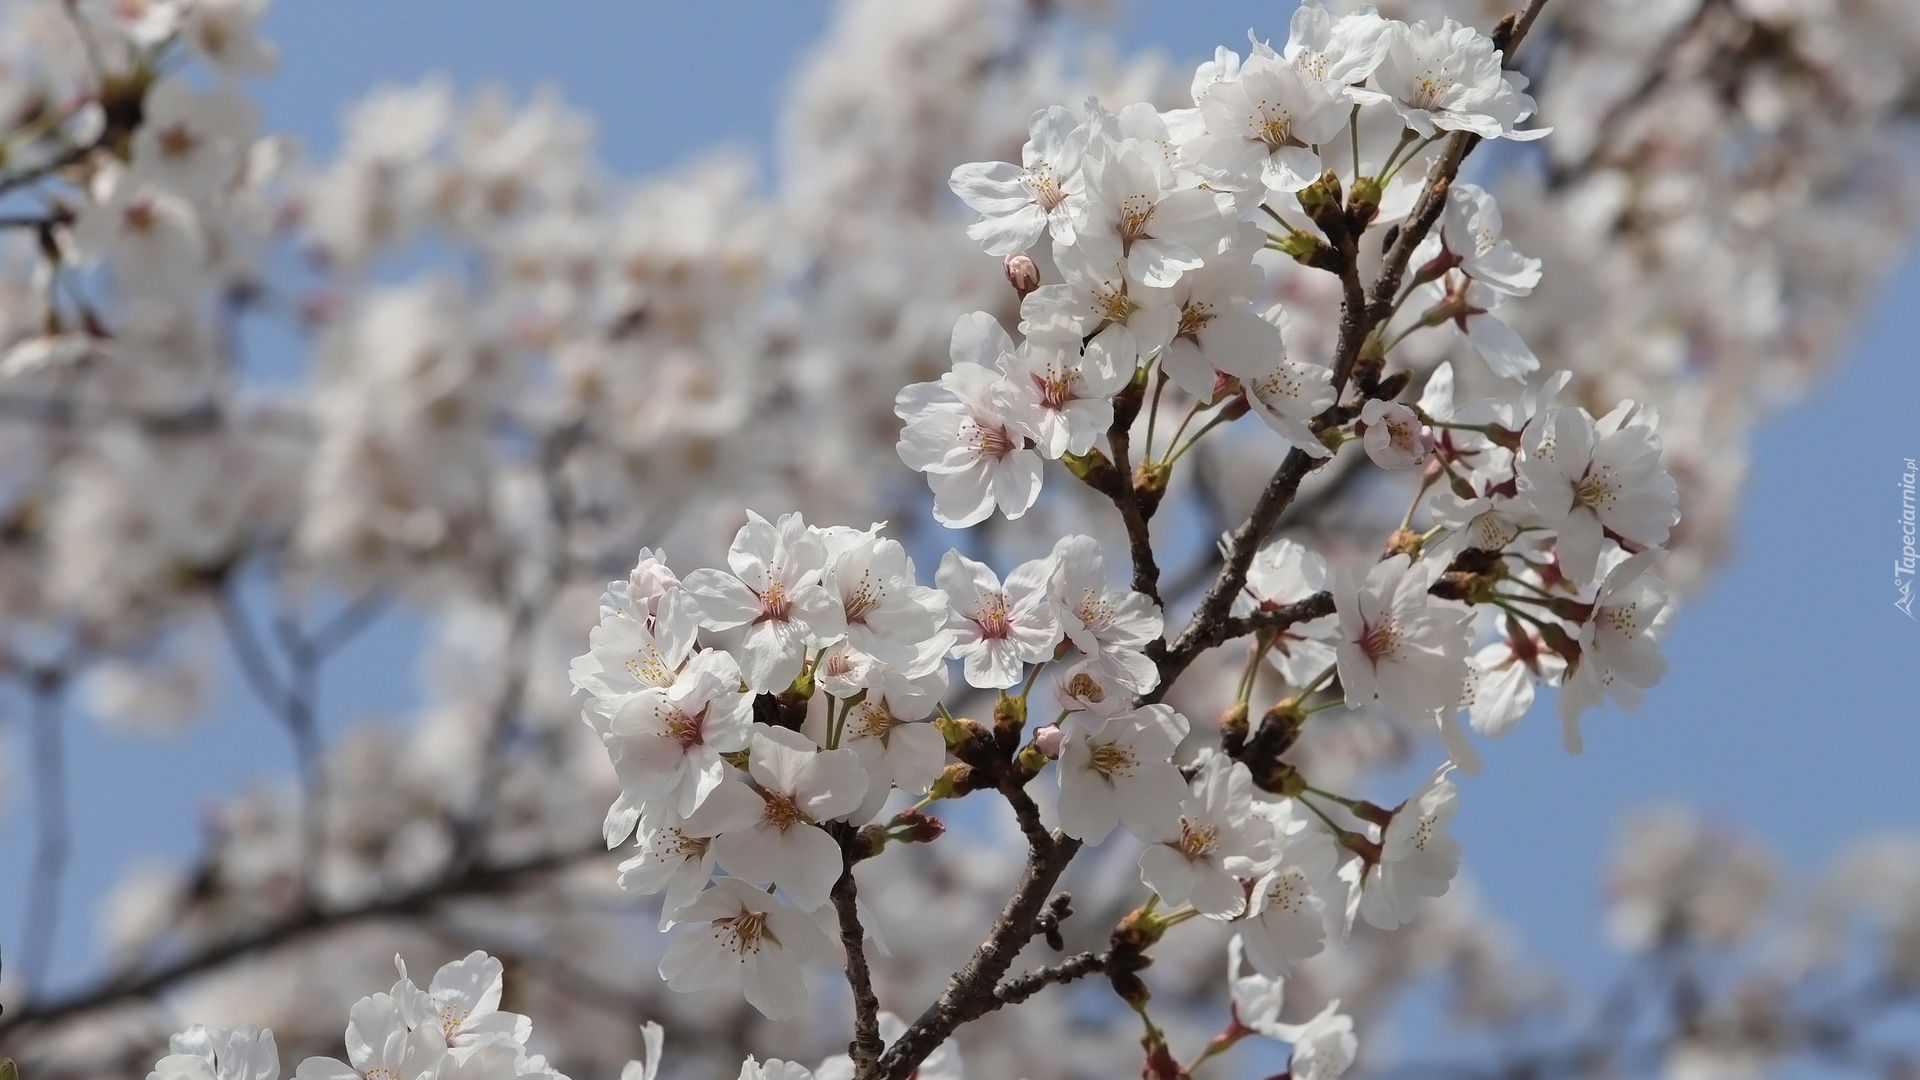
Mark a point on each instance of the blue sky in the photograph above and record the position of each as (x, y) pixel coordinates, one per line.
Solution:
(1788, 712)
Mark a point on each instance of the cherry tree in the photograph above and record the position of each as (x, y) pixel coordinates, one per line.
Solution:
(988, 770)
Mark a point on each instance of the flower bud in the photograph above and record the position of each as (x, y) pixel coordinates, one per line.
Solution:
(1022, 273)
(914, 827)
(1047, 741)
(650, 580)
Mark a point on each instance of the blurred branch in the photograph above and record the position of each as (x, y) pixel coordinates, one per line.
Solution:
(1661, 67)
(555, 447)
(309, 922)
(73, 154)
(53, 830)
(291, 703)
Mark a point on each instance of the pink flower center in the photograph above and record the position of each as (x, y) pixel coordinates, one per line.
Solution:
(1381, 639)
(992, 619)
(688, 731)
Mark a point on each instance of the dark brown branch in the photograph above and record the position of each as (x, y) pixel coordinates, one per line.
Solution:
(1208, 623)
(1126, 495)
(138, 984)
(1317, 606)
(1020, 987)
(866, 1047)
(971, 993)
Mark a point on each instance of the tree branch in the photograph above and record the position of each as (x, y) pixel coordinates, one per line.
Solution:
(1360, 316)
(1019, 988)
(866, 1046)
(972, 992)
(51, 825)
(131, 985)
(291, 703)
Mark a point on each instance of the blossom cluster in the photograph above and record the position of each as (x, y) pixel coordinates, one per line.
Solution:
(761, 717)
(1146, 211)
(626, 363)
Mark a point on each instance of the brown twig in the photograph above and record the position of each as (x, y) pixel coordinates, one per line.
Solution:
(866, 1047)
(972, 992)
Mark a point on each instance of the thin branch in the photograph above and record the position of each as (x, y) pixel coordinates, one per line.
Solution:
(555, 446)
(1317, 606)
(349, 623)
(52, 827)
(866, 1046)
(139, 984)
(292, 703)
(1208, 620)
(1126, 495)
(971, 993)
(1019, 988)
(46, 168)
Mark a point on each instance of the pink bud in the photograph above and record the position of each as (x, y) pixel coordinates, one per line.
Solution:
(918, 828)
(650, 580)
(1047, 741)
(1022, 273)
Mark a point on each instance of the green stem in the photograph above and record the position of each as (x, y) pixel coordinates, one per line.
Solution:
(1212, 422)
(1153, 410)
(1353, 130)
(1032, 677)
(839, 721)
(1387, 178)
(1192, 411)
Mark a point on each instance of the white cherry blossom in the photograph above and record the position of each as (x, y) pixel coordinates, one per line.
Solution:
(1127, 321)
(380, 1046)
(666, 744)
(768, 832)
(1394, 437)
(1448, 78)
(1217, 331)
(1417, 860)
(1262, 127)
(1286, 572)
(998, 627)
(1619, 643)
(773, 597)
(1395, 644)
(1583, 479)
(669, 860)
(1019, 203)
(1217, 842)
(1058, 397)
(1286, 915)
(1323, 1047)
(959, 431)
(887, 614)
(1136, 213)
(740, 936)
(1336, 52)
(1289, 393)
(1112, 627)
(1123, 775)
(211, 1053)
(462, 1003)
